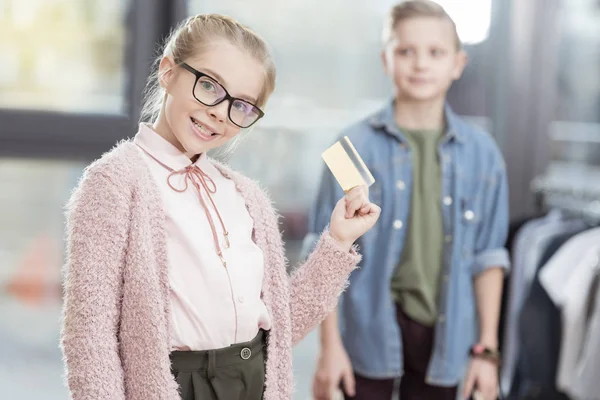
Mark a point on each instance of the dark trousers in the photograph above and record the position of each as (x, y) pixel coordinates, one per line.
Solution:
(417, 345)
(235, 372)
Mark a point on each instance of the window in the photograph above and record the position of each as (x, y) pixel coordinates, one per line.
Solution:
(73, 72)
(472, 18)
(63, 55)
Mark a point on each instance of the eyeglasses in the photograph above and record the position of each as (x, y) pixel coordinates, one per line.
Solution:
(210, 93)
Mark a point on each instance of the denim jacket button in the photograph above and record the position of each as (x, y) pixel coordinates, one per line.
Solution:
(398, 224)
(469, 215)
(400, 185)
(448, 201)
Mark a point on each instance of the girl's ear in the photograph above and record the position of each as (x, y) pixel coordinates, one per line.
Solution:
(166, 70)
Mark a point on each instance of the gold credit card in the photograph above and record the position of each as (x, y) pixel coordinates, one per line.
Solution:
(346, 165)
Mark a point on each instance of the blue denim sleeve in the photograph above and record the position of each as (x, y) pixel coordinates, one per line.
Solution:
(490, 250)
(320, 214)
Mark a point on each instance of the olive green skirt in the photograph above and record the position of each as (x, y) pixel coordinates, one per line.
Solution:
(236, 372)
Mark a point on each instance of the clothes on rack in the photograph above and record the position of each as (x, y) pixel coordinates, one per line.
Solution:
(528, 249)
(587, 375)
(568, 278)
(551, 340)
(514, 227)
(540, 334)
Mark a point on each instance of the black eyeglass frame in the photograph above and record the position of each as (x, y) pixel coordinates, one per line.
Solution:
(227, 96)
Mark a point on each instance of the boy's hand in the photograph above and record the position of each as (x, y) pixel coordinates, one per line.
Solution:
(334, 367)
(353, 216)
(482, 376)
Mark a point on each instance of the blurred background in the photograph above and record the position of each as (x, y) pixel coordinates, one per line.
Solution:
(72, 73)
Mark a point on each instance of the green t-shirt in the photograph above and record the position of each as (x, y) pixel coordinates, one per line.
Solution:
(415, 283)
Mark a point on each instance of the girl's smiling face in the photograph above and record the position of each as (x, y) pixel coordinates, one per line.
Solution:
(191, 126)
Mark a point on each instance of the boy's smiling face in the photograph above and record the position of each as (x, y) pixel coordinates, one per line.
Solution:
(422, 58)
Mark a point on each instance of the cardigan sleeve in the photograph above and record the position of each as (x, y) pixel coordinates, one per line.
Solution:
(98, 215)
(316, 285)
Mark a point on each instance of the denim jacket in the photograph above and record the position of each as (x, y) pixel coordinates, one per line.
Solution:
(475, 220)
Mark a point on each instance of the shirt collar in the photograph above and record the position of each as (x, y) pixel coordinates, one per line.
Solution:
(162, 150)
(384, 119)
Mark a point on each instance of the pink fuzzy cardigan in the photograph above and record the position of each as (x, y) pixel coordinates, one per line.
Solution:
(115, 333)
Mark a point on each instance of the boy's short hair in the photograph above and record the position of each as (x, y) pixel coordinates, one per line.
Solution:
(415, 9)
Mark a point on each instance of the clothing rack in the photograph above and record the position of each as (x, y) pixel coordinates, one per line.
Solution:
(571, 182)
(547, 299)
(571, 185)
(576, 193)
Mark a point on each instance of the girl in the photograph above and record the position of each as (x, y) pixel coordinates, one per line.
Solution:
(176, 283)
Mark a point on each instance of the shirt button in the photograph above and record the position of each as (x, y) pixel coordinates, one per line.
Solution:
(448, 201)
(398, 224)
(469, 215)
(241, 299)
(400, 185)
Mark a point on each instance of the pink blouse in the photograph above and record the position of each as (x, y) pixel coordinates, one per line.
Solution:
(212, 305)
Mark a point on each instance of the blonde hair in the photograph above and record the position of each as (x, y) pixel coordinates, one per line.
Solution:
(191, 38)
(416, 9)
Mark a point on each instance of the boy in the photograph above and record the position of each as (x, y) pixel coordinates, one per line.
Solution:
(428, 291)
